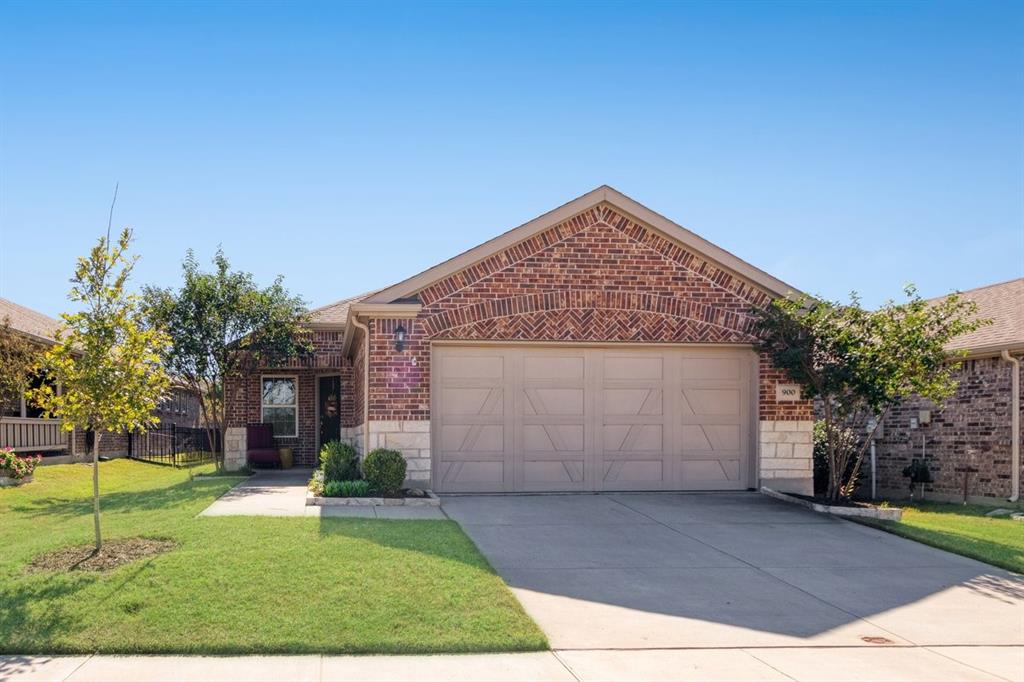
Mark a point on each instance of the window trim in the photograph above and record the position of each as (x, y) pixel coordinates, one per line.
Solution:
(263, 406)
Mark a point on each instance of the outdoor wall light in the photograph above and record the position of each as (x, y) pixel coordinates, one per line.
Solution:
(400, 338)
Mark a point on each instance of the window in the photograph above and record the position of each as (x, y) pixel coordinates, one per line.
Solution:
(281, 405)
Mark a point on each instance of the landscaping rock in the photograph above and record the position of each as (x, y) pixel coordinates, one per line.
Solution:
(415, 492)
(1000, 512)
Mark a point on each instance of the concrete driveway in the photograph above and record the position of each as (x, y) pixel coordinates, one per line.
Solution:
(740, 571)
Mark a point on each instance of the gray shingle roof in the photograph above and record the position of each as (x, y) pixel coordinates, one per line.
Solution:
(28, 321)
(337, 312)
(1002, 303)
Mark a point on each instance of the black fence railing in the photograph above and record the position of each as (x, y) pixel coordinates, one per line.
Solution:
(174, 445)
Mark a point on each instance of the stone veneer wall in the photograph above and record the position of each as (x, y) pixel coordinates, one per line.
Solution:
(786, 455)
(412, 439)
(971, 429)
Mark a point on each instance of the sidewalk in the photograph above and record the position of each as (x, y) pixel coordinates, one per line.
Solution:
(805, 664)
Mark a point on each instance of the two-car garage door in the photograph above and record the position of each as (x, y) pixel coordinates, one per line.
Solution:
(531, 418)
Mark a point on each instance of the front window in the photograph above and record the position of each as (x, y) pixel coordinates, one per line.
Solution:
(281, 406)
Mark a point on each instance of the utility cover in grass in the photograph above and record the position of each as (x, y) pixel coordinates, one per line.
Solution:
(113, 554)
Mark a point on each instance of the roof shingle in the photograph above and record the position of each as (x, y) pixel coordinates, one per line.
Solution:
(28, 321)
(1003, 303)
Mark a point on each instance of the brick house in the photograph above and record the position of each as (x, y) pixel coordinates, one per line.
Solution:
(598, 347)
(975, 428)
(23, 427)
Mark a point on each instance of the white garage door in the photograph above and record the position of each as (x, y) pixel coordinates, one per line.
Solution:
(530, 418)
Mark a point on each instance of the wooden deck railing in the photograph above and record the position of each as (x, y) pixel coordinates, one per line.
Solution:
(32, 435)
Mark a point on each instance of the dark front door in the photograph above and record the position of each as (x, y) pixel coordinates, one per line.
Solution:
(330, 408)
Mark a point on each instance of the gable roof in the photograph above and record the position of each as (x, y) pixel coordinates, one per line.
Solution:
(602, 195)
(31, 323)
(1003, 303)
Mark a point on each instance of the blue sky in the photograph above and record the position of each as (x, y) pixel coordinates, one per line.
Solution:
(838, 146)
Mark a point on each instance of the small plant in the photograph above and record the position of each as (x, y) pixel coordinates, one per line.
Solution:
(17, 466)
(346, 489)
(384, 470)
(339, 461)
(316, 483)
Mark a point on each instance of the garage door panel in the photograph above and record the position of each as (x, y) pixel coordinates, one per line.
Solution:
(712, 474)
(554, 367)
(553, 438)
(477, 438)
(518, 418)
(554, 474)
(708, 402)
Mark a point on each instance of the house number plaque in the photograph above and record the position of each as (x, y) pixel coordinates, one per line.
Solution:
(787, 393)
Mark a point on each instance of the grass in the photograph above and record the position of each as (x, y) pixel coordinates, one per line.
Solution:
(241, 584)
(962, 529)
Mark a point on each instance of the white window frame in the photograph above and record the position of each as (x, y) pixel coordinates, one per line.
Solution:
(264, 406)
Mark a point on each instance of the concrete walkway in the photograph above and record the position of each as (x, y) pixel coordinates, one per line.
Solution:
(283, 493)
(891, 664)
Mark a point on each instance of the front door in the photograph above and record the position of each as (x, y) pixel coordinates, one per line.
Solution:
(329, 397)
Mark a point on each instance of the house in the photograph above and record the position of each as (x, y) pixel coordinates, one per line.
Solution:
(978, 428)
(598, 347)
(22, 425)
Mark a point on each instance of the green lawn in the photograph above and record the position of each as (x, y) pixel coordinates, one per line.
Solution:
(241, 584)
(964, 530)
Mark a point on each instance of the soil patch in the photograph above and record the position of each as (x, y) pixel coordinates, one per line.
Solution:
(114, 553)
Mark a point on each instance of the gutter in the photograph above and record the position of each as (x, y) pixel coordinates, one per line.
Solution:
(366, 381)
(1014, 425)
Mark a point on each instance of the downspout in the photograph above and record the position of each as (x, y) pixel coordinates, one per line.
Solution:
(1014, 425)
(366, 382)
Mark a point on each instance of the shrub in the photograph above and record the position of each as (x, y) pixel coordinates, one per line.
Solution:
(16, 466)
(316, 483)
(346, 489)
(384, 470)
(339, 461)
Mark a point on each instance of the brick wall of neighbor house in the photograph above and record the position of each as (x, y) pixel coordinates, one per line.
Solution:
(596, 277)
(971, 429)
(243, 393)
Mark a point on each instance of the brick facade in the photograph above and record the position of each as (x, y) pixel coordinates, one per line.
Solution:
(597, 277)
(971, 429)
(243, 393)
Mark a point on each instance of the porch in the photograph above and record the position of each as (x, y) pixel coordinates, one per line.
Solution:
(34, 435)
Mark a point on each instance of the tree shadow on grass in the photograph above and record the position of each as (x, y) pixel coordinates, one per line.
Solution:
(26, 625)
(120, 501)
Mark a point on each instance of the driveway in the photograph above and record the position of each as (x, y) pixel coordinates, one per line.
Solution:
(736, 570)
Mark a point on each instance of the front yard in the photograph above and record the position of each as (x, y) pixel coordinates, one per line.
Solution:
(963, 529)
(240, 584)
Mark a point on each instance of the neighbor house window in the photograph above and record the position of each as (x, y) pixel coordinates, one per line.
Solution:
(281, 405)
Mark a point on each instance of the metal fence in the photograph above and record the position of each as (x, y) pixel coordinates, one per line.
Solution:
(174, 445)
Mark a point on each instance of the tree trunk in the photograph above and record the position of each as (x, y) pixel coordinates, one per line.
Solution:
(96, 488)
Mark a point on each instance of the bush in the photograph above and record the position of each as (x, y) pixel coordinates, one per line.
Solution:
(384, 470)
(316, 483)
(17, 466)
(346, 489)
(339, 461)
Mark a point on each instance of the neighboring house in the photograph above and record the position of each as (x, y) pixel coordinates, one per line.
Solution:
(22, 426)
(974, 428)
(598, 347)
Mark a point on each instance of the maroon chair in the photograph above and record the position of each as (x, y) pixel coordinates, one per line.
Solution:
(259, 446)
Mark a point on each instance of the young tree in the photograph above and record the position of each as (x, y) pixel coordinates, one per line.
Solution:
(107, 362)
(19, 358)
(859, 363)
(221, 322)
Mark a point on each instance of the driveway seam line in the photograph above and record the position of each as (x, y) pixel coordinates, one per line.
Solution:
(78, 667)
(764, 662)
(565, 665)
(758, 569)
(968, 665)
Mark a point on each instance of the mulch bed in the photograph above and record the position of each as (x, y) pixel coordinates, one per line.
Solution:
(114, 553)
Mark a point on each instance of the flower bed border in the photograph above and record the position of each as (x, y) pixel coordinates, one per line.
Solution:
(11, 482)
(887, 514)
(431, 500)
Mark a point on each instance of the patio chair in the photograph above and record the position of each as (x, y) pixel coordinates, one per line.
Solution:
(260, 450)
